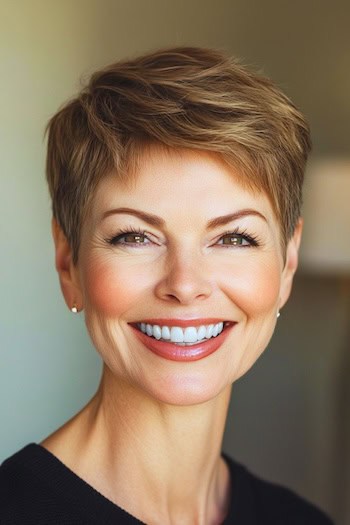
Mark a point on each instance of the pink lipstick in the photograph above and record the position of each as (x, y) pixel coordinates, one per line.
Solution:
(176, 352)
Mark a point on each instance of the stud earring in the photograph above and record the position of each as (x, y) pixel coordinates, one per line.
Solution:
(74, 309)
(278, 314)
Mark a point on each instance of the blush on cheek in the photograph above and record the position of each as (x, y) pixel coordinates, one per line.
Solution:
(109, 289)
(267, 288)
(256, 287)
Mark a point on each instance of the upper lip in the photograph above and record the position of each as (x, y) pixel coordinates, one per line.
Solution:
(183, 322)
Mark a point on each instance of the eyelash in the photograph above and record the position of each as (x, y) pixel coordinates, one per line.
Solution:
(253, 240)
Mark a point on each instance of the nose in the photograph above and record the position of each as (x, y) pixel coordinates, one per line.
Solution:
(186, 279)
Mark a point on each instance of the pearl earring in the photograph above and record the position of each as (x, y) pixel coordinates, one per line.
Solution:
(74, 309)
(278, 314)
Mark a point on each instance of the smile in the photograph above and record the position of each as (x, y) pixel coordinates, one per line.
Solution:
(181, 336)
(188, 343)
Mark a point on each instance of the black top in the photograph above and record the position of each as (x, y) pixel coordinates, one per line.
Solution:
(37, 489)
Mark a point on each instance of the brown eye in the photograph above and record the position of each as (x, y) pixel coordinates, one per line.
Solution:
(134, 238)
(234, 240)
(129, 238)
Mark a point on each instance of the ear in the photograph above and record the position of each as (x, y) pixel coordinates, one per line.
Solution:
(291, 263)
(67, 271)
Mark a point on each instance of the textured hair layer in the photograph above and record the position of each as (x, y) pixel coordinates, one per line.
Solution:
(180, 98)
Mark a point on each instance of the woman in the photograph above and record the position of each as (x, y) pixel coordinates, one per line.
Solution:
(176, 187)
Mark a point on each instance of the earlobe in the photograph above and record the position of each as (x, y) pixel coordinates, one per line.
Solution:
(67, 271)
(291, 264)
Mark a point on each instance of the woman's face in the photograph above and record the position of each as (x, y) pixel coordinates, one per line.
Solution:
(176, 268)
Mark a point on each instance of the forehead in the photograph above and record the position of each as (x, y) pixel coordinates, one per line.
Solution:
(181, 181)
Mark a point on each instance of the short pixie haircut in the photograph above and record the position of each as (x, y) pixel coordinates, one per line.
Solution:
(185, 97)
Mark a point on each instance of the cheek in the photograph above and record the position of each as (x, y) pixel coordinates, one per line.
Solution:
(255, 286)
(111, 289)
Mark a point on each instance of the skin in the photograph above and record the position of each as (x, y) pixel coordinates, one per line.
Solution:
(154, 422)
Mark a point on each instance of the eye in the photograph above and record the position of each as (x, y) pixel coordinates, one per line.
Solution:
(130, 237)
(237, 238)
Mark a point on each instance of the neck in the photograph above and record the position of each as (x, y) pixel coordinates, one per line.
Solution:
(170, 455)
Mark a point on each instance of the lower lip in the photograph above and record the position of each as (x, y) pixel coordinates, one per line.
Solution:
(175, 352)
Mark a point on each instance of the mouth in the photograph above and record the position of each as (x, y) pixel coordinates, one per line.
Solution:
(188, 343)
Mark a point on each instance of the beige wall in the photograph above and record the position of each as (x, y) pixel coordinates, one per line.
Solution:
(47, 366)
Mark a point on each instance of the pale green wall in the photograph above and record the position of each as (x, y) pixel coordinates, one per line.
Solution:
(48, 368)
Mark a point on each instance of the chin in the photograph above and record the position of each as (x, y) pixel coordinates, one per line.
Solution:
(186, 389)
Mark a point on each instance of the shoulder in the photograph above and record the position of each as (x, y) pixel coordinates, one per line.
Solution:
(19, 487)
(26, 493)
(36, 488)
(274, 504)
(15, 475)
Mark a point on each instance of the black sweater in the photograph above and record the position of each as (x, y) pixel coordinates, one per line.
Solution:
(37, 489)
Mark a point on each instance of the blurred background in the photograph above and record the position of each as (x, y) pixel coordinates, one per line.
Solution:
(289, 420)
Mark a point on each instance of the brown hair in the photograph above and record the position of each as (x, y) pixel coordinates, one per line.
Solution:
(180, 98)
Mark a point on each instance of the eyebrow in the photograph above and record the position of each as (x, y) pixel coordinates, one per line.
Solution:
(158, 222)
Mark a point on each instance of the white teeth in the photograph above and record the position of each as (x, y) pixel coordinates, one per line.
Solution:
(201, 332)
(165, 332)
(209, 333)
(176, 334)
(190, 335)
(157, 331)
(215, 330)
